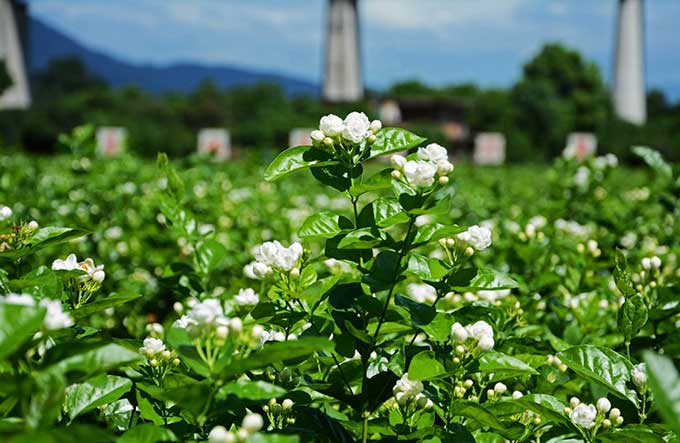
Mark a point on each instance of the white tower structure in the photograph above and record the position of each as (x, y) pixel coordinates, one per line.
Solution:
(629, 94)
(17, 96)
(342, 81)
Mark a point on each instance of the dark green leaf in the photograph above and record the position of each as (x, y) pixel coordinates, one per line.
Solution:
(95, 392)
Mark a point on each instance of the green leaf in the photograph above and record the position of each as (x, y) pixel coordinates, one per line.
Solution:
(503, 366)
(210, 253)
(147, 433)
(252, 390)
(18, 324)
(440, 328)
(433, 232)
(388, 212)
(481, 278)
(425, 366)
(622, 276)
(379, 181)
(276, 353)
(547, 407)
(364, 238)
(664, 381)
(632, 316)
(70, 434)
(475, 411)
(95, 392)
(428, 269)
(421, 314)
(325, 225)
(86, 359)
(101, 304)
(45, 237)
(390, 140)
(384, 271)
(601, 366)
(655, 160)
(296, 159)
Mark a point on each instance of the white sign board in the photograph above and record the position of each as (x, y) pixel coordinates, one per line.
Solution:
(489, 149)
(214, 142)
(111, 141)
(300, 137)
(580, 145)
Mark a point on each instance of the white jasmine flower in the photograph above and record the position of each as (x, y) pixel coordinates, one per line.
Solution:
(18, 299)
(639, 375)
(459, 333)
(55, 318)
(420, 173)
(444, 167)
(486, 343)
(219, 434)
(376, 125)
(246, 297)
(480, 329)
(477, 237)
(422, 292)
(604, 405)
(5, 213)
(317, 136)
(96, 273)
(500, 388)
(152, 346)
(493, 296)
(398, 161)
(331, 125)
(407, 387)
(357, 127)
(252, 423)
(516, 395)
(33, 225)
(584, 415)
(70, 264)
(433, 153)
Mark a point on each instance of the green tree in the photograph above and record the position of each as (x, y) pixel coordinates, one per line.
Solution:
(5, 79)
(559, 92)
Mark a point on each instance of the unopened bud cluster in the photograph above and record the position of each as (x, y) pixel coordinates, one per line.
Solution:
(160, 359)
(471, 339)
(251, 424)
(409, 396)
(557, 363)
(431, 166)
(591, 247)
(279, 415)
(588, 416)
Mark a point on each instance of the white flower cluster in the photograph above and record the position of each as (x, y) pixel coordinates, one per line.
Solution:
(409, 394)
(498, 390)
(251, 424)
(478, 335)
(246, 298)
(651, 263)
(272, 256)
(206, 318)
(479, 237)
(588, 416)
(156, 352)
(55, 317)
(433, 161)
(5, 213)
(422, 292)
(606, 161)
(355, 128)
(94, 273)
(591, 246)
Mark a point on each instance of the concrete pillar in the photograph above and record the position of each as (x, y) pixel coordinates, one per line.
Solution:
(12, 52)
(342, 81)
(629, 92)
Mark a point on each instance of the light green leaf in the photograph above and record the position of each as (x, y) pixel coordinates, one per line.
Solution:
(390, 140)
(388, 212)
(95, 392)
(147, 433)
(210, 253)
(252, 390)
(18, 323)
(296, 159)
(425, 366)
(664, 381)
(324, 224)
(503, 366)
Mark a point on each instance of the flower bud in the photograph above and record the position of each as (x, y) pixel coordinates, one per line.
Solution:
(328, 142)
(614, 414)
(176, 362)
(317, 136)
(376, 125)
(485, 343)
(606, 423)
(371, 138)
(396, 174)
(98, 276)
(236, 325)
(33, 225)
(517, 395)
(456, 360)
(398, 162)
(640, 378)
(460, 350)
(469, 251)
(242, 435)
(500, 388)
(562, 367)
(178, 307)
(467, 384)
(153, 363)
(619, 421)
(459, 333)
(604, 405)
(536, 420)
(566, 410)
(450, 242)
(287, 404)
(573, 401)
(252, 423)
(166, 355)
(221, 332)
(443, 180)
(219, 434)
(295, 273)
(490, 393)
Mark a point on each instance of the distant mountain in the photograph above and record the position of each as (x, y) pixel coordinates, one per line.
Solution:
(47, 43)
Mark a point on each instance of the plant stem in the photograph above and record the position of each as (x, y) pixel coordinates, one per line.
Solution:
(364, 437)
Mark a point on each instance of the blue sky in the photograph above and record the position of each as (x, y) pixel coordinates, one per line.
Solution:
(436, 41)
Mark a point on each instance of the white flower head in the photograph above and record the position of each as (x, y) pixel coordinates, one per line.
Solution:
(55, 318)
(459, 333)
(152, 346)
(246, 297)
(69, 264)
(331, 125)
(220, 434)
(478, 237)
(420, 173)
(317, 136)
(422, 292)
(357, 127)
(408, 387)
(480, 329)
(5, 213)
(584, 415)
(433, 153)
(398, 161)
